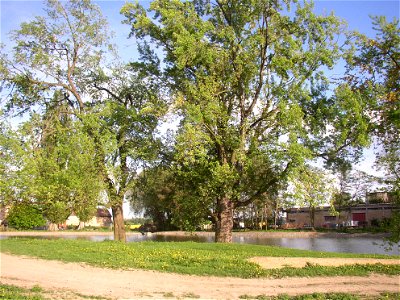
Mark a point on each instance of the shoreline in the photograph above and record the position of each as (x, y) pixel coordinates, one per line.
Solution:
(255, 234)
(281, 234)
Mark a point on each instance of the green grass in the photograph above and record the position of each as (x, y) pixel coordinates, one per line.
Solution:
(11, 292)
(330, 296)
(16, 293)
(186, 257)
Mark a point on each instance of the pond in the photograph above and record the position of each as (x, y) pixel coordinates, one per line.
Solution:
(346, 244)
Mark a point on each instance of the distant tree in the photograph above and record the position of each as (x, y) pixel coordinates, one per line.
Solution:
(11, 162)
(311, 188)
(56, 213)
(153, 196)
(248, 81)
(354, 186)
(129, 120)
(53, 59)
(25, 216)
(374, 70)
(51, 165)
(60, 61)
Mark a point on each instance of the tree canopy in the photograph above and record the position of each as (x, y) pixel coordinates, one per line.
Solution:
(374, 70)
(58, 68)
(248, 79)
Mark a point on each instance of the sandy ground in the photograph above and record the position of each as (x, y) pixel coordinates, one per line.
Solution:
(71, 278)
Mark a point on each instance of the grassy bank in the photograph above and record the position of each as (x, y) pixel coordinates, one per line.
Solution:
(187, 257)
(330, 296)
(12, 292)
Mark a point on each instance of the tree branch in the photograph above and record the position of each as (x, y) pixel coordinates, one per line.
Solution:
(109, 92)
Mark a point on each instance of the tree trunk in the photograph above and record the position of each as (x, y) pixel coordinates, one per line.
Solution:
(81, 225)
(261, 221)
(312, 217)
(53, 227)
(224, 226)
(265, 216)
(118, 222)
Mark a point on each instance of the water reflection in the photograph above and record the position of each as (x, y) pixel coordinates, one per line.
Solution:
(169, 238)
(346, 244)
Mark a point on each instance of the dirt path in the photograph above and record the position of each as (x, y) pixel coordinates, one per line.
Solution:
(116, 284)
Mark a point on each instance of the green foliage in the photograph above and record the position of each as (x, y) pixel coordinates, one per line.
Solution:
(67, 177)
(51, 70)
(97, 122)
(354, 186)
(153, 196)
(373, 70)
(187, 257)
(55, 167)
(25, 216)
(11, 157)
(57, 51)
(57, 212)
(248, 81)
(311, 188)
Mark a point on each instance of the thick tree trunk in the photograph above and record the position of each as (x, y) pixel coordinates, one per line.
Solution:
(53, 227)
(312, 217)
(118, 222)
(81, 225)
(224, 226)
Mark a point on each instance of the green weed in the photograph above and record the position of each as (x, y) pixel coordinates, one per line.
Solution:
(191, 295)
(329, 296)
(10, 292)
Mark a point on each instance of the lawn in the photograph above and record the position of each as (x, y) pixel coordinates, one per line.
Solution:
(187, 257)
(11, 292)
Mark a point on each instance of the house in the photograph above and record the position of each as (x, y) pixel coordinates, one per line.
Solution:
(102, 218)
(350, 216)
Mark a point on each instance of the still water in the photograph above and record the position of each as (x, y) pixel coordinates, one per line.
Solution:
(343, 244)
(347, 245)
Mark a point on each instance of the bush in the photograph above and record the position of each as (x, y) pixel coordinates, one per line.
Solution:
(25, 216)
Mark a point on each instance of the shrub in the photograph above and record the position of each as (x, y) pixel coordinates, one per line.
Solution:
(25, 216)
